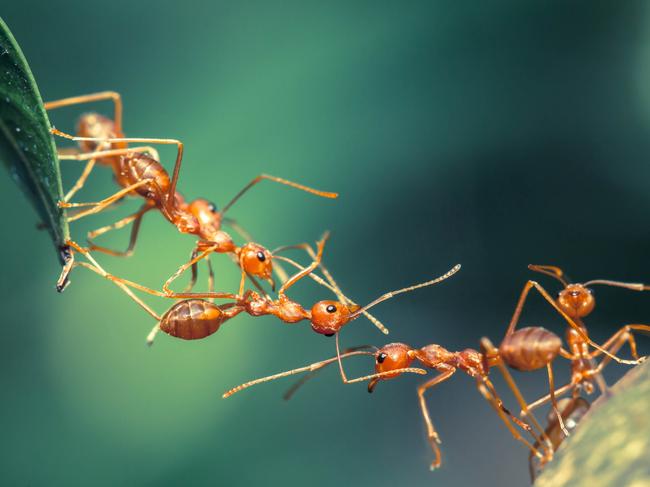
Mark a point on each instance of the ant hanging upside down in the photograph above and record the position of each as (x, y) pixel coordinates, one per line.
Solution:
(139, 173)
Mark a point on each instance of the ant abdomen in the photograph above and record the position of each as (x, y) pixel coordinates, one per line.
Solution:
(193, 319)
(138, 167)
(530, 348)
(97, 126)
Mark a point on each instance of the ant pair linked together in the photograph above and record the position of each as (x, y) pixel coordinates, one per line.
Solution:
(139, 173)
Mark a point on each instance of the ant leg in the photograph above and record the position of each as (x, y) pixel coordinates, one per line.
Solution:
(623, 335)
(524, 294)
(556, 410)
(167, 291)
(136, 218)
(534, 451)
(261, 177)
(487, 348)
(432, 435)
(78, 100)
(194, 276)
(84, 156)
(79, 183)
(103, 204)
(307, 270)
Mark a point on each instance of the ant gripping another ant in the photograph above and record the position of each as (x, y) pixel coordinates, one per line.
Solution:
(196, 318)
(139, 173)
(392, 360)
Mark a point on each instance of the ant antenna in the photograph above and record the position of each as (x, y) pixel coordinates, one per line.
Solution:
(627, 285)
(308, 368)
(323, 194)
(391, 294)
(549, 270)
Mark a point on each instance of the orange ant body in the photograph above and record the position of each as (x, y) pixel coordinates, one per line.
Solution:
(195, 318)
(575, 302)
(141, 174)
(525, 349)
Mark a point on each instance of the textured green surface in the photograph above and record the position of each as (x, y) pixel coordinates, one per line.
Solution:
(26, 146)
(611, 446)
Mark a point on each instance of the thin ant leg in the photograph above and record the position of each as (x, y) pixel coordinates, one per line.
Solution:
(78, 100)
(513, 431)
(97, 154)
(432, 434)
(177, 143)
(97, 268)
(554, 406)
(194, 276)
(625, 333)
(560, 391)
(261, 177)
(136, 218)
(153, 292)
(99, 206)
(524, 294)
(488, 349)
(307, 270)
(168, 292)
(334, 286)
(79, 183)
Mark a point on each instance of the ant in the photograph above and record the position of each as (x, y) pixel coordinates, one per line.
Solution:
(394, 359)
(140, 173)
(574, 302)
(196, 318)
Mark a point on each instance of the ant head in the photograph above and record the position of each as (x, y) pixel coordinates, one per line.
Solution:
(257, 261)
(576, 300)
(328, 317)
(393, 356)
(205, 211)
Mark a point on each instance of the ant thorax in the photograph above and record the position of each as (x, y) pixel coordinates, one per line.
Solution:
(284, 309)
(576, 300)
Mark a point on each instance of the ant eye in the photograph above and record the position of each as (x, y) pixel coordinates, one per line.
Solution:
(590, 291)
(212, 207)
(260, 256)
(331, 309)
(381, 357)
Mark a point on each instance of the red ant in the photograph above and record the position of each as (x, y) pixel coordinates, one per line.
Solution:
(574, 302)
(141, 174)
(527, 349)
(196, 318)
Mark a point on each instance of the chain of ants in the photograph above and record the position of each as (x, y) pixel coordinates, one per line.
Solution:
(139, 173)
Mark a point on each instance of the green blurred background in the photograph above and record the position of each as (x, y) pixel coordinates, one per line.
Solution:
(496, 135)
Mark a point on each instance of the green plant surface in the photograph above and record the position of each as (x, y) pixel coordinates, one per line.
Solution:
(26, 146)
(611, 444)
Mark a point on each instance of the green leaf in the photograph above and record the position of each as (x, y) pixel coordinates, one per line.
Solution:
(611, 443)
(26, 146)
